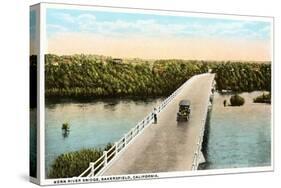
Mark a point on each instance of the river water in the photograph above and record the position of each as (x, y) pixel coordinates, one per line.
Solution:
(238, 136)
(92, 124)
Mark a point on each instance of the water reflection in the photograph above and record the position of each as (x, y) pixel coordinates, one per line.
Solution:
(65, 133)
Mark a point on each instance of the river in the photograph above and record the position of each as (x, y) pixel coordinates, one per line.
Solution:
(237, 136)
(92, 124)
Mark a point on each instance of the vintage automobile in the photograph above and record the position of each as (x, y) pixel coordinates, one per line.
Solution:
(184, 110)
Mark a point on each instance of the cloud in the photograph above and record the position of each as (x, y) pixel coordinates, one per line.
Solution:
(157, 37)
(85, 21)
(65, 17)
(89, 23)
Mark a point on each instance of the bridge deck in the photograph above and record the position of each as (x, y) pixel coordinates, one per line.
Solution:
(168, 145)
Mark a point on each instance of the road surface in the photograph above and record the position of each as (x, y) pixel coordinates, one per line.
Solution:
(168, 145)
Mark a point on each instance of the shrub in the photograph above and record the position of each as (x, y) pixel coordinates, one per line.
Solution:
(72, 164)
(236, 100)
(65, 127)
(264, 98)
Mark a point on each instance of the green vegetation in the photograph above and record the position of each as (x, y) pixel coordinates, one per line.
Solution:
(108, 146)
(91, 76)
(264, 98)
(236, 100)
(65, 127)
(72, 164)
(243, 77)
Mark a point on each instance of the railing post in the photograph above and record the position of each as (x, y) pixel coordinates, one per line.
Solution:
(193, 166)
(116, 147)
(92, 169)
(105, 157)
(131, 134)
(125, 140)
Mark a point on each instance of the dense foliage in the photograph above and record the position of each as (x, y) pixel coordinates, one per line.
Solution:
(72, 164)
(91, 76)
(264, 98)
(241, 77)
(236, 100)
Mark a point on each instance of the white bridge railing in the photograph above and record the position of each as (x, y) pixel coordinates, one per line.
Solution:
(97, 167)
(197, 153)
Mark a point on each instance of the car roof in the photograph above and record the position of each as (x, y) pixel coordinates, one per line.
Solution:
(184, 103)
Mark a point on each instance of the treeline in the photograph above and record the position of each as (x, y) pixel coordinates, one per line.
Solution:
(239, 77)
(92, 76)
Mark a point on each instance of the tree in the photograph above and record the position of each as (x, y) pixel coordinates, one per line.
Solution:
(236, 100)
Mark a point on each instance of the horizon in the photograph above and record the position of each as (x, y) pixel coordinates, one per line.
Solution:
(143, 59)
(147, 36)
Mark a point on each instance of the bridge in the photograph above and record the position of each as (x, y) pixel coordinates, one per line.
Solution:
(167, 146)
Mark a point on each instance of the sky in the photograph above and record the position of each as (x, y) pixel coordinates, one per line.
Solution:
(150, 36)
